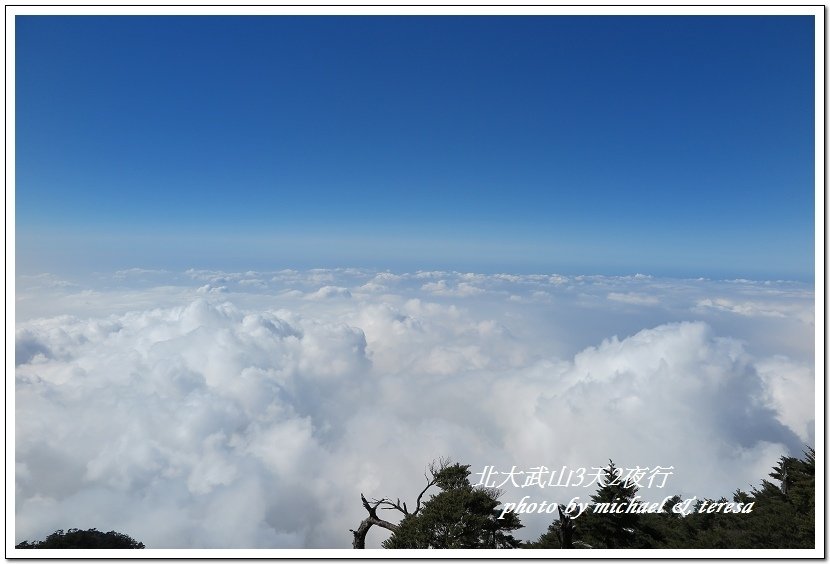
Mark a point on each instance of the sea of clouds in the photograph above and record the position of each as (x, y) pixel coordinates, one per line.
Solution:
(205, 409)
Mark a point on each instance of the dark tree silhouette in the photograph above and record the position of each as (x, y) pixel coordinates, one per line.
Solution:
(782, 516)
(459, 516)
(91, 538)
(362, 530)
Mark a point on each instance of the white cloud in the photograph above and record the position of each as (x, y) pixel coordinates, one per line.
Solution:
(185, 417)
(790, 386)
(462, 289)
(754, 308)
(254, 283)
(633, 298)
(208, 289)
(328, 292)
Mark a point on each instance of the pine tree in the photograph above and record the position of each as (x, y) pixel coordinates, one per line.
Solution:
(784, 513)
(782, 516)
(610, 530)
(460, 516)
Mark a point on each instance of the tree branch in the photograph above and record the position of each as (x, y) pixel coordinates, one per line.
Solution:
(389, 505)
(360, 534)
(430, 483)
(434, 469)
(373, 519)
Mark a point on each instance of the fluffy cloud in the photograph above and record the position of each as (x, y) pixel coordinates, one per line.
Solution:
(462, 289)
(633, 298)
(255, 416)
(327, 292)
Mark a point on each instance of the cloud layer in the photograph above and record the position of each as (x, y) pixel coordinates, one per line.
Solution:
(250, 410)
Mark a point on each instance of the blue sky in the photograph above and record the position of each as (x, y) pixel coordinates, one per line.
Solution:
(666, 145)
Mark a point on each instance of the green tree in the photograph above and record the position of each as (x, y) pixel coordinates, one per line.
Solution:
(610, 529)
(783, 513)
(91, 538)
(782, 516)
(460, 516)
(559, 534)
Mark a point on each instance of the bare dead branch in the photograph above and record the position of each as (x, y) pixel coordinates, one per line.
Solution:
(360, 534)
(434, 470)
(397, 505)
(430, 483)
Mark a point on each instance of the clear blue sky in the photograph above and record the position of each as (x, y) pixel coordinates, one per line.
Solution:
(668, 145)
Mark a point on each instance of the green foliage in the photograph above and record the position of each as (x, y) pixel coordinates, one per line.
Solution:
(783, 516)
(460, 516)
(75, 538)
(611, 529)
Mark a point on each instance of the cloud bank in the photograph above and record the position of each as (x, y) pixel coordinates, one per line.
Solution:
(249, 410)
